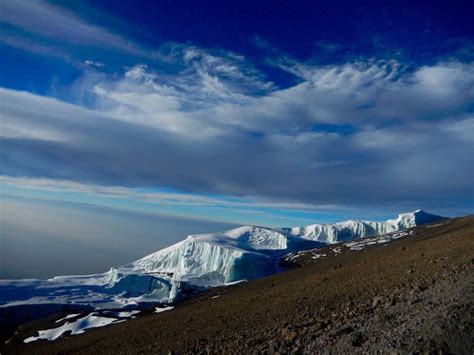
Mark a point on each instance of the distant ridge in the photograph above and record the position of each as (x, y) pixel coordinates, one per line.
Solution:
(348, 230)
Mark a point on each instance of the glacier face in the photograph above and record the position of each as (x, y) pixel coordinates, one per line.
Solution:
(349, 230)
(196, 263)
(217, 259)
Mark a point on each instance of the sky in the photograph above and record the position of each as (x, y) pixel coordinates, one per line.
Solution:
(42, 240)
(253, 112)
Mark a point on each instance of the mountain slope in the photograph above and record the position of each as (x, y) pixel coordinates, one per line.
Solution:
(410, 295)
(192, 265)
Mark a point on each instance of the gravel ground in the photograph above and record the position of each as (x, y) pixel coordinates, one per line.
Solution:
(412, 295)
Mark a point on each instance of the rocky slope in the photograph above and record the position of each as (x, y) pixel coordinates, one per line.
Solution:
(413, 294)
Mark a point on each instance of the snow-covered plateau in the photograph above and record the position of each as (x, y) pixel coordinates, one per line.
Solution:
(192, 265)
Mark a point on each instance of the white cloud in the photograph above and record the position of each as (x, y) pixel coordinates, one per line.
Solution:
(154, 197)
(93, 64)
(40, 18)
(217, 126)
(204, 98)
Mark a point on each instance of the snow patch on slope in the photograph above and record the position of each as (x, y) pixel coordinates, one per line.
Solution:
(163, 309)
(361, 244)
(69, 316)
(78, 326)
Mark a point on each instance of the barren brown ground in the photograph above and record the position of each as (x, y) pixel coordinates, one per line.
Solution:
(411, 295)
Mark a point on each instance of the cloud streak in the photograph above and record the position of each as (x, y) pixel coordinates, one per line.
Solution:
(28, 23)
(408, 142)
(153, 196)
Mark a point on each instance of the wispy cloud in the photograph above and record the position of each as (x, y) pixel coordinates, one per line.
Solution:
(149, 129)
(29, 22)
(93, 63)
(359, 93)
(154, 196)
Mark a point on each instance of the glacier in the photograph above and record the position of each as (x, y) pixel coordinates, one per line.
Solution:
(192, 265)
(348, 230)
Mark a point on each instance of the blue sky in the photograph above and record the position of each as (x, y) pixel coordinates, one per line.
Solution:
(270, 113)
